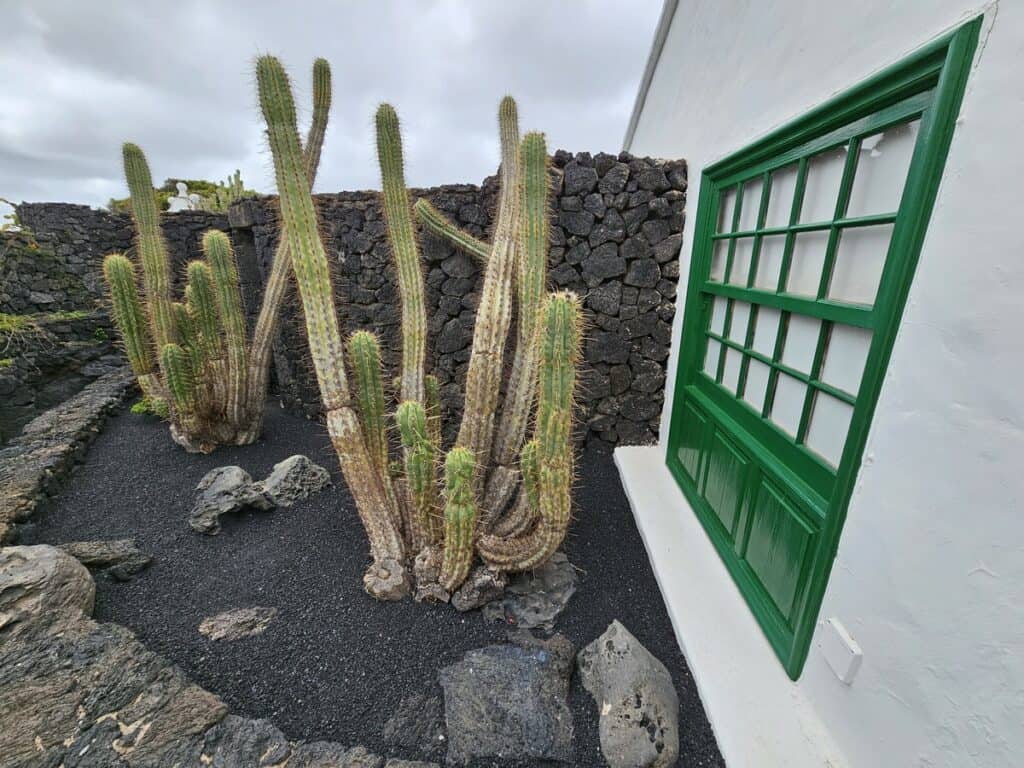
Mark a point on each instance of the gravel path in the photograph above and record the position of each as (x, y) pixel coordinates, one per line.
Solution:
(334, 664)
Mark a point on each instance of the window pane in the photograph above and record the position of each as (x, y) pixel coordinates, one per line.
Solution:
(789, 403)
(801, 342)
(769, 262)
(751, 205)
(711, 358)
(719, 255)
(718, 315)
(741, 261)
(845, 357)
(738, 327)
(780, 200)
(859, 261)
(806, 263)
(757, 384)
(830, 421)
(731, 372)
(824, 172)
(726, 208)
(766, 329)
(881, 170)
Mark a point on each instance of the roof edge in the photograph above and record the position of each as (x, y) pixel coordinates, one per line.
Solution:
(668, 12)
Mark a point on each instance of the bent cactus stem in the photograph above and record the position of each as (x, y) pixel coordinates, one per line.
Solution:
(459, 518)
(309, 260)
(436, 223)
(559, 353)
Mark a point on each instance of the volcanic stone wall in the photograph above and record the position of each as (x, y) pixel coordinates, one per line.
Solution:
(615, 237)
(617, 224)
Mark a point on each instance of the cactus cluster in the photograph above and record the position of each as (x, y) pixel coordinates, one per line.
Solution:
(490, 496)
(193, 358)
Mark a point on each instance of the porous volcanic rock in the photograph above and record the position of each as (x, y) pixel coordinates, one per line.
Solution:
(534, 599)
(237, 623)
(293, 479)
(639, 709)
(118, 558)
(223, 490)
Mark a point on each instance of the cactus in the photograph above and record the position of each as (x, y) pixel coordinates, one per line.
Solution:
(228, 374)
(390, 496)
(459, 517)
(179, 380)
(559, 354)
(386, 577)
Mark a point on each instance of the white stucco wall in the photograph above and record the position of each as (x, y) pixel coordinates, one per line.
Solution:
(929, 578)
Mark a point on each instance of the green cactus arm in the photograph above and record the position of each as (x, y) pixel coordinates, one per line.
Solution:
(420, 472)
(531, 473)
(459, 517)
(494, 313)
(119, 274)
(309, 261)
(559, 355)
(438, 224)
(531, 284)
(150, 244)
(178, 378)
(279, 278)
(221, 258)
(404, 250)
(433, 391)
(364, 354)
(202, 307)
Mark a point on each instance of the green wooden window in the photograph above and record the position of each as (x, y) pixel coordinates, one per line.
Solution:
(805, 245)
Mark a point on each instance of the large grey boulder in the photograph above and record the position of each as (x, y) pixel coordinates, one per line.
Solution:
(510, 702)
(223, 490)
(118, 558)
(639, 709)
(42, 589)
(293, 479)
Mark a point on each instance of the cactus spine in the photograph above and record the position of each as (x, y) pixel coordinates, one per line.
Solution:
(459, 517)
(386, 578)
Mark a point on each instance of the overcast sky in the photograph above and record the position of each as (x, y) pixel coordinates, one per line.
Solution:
(175, 76)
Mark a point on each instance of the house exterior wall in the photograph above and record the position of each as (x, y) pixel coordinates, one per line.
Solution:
(930, 570)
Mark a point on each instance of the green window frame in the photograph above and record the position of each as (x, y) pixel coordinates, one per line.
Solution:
(771, 499)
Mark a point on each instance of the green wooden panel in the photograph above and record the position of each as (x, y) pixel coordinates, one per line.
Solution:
(724, 479)
(693, 426)
(779, 545)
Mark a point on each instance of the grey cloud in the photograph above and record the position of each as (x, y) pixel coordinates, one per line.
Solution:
(80, 78)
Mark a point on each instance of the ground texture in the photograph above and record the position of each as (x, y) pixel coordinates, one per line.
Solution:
(333, 664)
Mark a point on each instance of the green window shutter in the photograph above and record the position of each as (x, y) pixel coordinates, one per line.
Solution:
(805, 246)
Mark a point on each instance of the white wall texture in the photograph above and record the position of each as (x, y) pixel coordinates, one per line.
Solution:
(929, 578)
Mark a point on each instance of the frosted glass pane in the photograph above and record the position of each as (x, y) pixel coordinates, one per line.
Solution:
(718, 315)
(859, 261)
(769, 262)
(788, 403)
(719, 254)
(801, 342)
(731, 372)
(711, 358)
(845, 357)
(740, 317)
(757, 384)
(726, 209)
(780, 200)
(766, 330)
(830, 421)
(751, 205)
(741, 261)
(806, 264)
(882, 170)
(824, 172)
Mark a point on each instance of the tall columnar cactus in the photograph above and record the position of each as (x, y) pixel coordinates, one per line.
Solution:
(386, 577)
(404, 511)
(228, 373)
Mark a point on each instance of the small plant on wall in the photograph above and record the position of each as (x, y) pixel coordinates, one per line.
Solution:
(435, 513)
(192, 358)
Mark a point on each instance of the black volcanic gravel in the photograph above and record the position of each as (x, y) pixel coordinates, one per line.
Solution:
(334, 664)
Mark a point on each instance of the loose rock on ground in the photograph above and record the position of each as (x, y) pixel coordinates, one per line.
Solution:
(118, 558)
(239, 623)
(534, 599)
